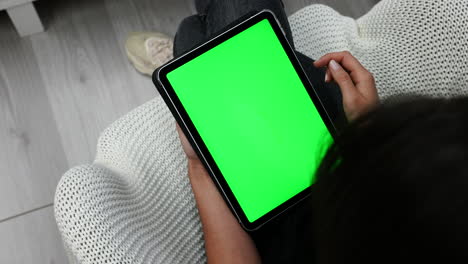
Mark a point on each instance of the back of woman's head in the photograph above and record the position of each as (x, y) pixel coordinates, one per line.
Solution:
(396, 190)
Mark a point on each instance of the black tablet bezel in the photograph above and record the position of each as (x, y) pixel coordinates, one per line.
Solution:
(182, 118)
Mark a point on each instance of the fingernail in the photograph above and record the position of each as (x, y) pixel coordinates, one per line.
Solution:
(326, 77)
(334, 65)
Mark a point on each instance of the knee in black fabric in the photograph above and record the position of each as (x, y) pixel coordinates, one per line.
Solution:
(191, 32)
(202, 6)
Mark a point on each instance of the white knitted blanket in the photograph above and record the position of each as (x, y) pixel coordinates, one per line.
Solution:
(134, 204)
(417, 47)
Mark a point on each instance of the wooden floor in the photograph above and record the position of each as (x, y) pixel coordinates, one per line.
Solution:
(59, 89)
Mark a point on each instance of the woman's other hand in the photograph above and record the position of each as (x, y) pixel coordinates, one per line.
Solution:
(357, 84)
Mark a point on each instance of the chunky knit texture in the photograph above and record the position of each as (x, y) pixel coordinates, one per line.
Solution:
(134, 204)
(417, 47)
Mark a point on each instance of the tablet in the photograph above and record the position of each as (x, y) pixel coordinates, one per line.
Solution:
(254, 119)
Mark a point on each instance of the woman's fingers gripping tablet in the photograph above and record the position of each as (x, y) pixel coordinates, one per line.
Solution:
(356, 83)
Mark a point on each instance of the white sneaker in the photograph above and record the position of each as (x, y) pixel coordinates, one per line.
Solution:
(148, 50)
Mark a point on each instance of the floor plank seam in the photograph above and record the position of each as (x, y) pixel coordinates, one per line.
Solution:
(25, 213)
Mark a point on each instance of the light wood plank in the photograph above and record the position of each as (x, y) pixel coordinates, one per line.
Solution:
(31, 239)
(87, 76)
(126, 16)
(31, 157)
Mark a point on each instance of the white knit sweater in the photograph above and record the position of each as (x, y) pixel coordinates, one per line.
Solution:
(411, 46)
(134, 204)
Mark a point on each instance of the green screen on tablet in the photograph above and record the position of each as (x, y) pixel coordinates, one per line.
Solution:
(255, 117)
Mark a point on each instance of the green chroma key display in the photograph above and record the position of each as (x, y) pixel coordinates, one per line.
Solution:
(255, 116)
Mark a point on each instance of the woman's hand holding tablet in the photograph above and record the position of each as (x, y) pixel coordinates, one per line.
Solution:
(356, 83)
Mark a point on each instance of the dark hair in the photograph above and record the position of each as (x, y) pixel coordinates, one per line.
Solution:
(396, 188)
